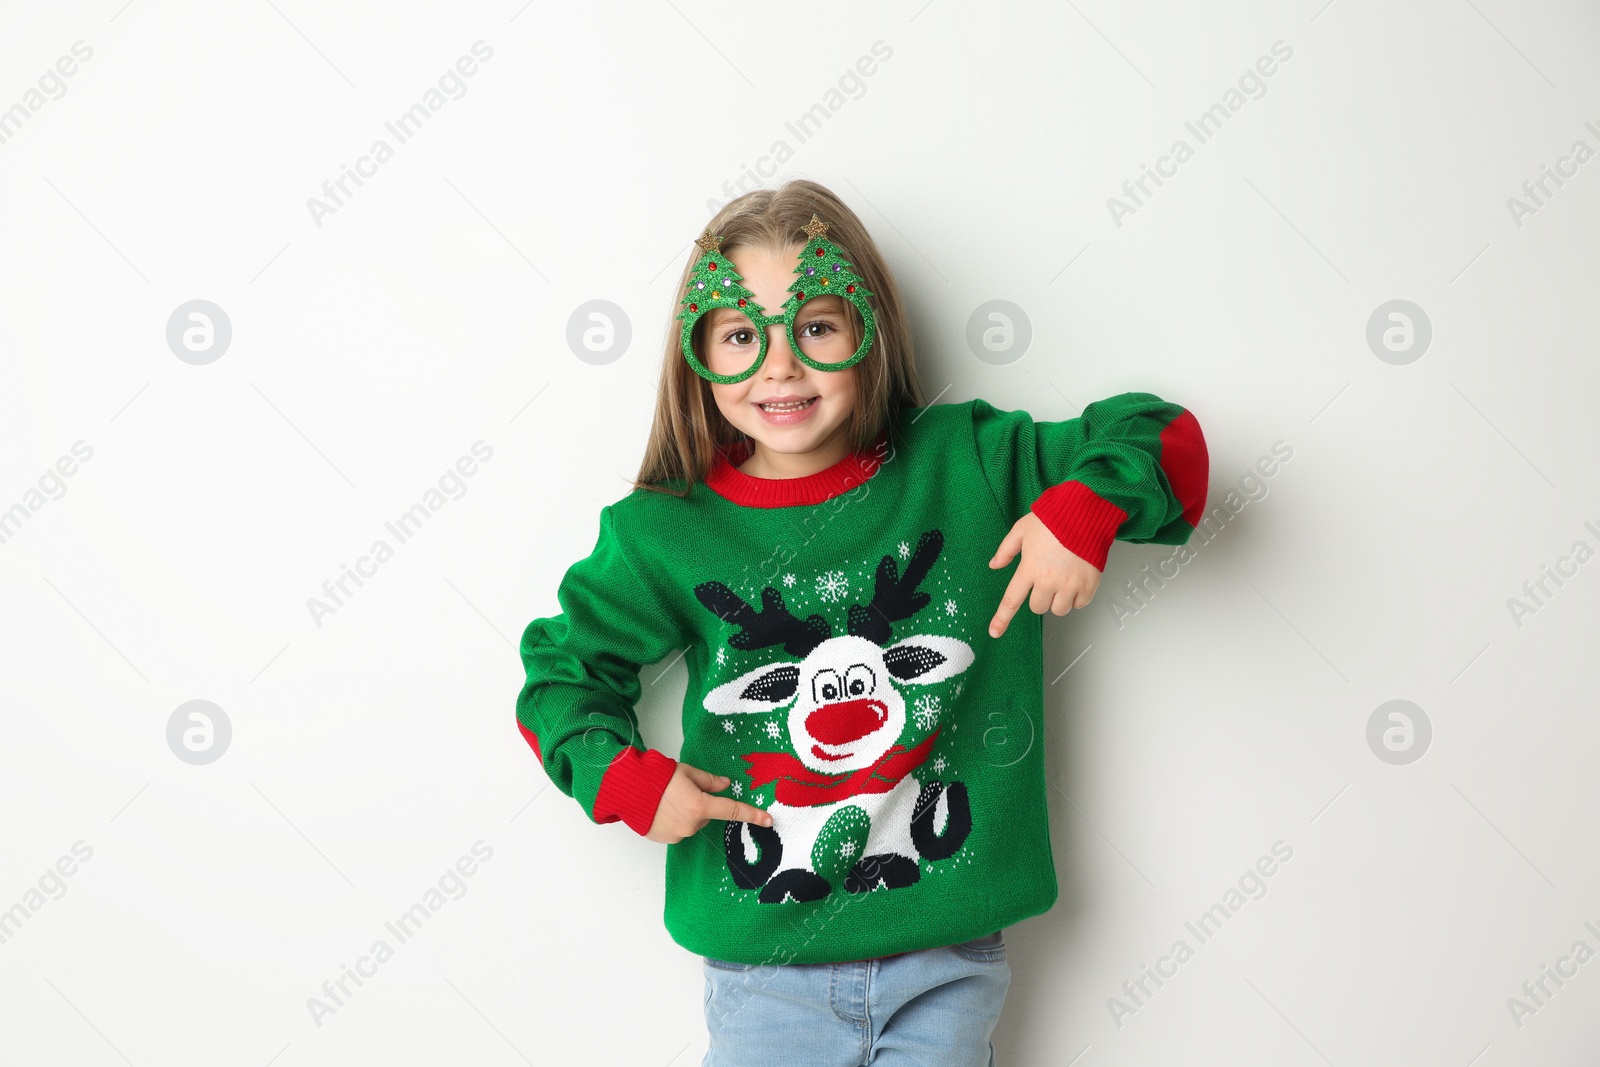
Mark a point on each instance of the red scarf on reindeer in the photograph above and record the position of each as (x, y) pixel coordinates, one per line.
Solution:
(799, 786)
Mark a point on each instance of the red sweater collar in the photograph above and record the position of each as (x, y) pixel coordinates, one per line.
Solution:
(726, 480)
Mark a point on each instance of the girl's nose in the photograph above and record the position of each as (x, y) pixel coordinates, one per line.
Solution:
(779, 355)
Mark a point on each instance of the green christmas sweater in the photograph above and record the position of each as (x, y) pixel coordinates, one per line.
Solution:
(841, 673)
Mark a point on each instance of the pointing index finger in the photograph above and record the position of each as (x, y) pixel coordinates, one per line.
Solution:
(1016, 593)
(737, 810)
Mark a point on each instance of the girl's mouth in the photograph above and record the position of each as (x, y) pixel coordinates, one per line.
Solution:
(787, 411)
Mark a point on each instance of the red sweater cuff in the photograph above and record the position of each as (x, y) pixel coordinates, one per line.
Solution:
(631, 788)
(1082, 520)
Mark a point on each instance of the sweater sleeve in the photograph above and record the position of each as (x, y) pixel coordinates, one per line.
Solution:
(576, 706)
(1132, 467)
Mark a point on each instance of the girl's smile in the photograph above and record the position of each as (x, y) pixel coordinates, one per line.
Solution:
(781, 411)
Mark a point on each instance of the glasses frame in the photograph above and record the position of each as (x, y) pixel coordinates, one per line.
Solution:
(756, 314)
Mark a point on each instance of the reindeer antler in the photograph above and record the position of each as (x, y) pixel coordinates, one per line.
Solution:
(772, 625)
(895, 598)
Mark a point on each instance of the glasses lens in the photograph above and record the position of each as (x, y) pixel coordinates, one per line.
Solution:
(729, 341)
(828, 329)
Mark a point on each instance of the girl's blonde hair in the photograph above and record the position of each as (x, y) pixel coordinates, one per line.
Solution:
(688, 426)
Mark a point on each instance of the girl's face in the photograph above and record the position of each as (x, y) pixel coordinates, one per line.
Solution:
(823, 327)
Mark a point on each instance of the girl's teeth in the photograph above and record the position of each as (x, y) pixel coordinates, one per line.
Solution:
(785, 407)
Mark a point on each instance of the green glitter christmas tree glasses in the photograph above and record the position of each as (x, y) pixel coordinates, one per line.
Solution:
(714, 285)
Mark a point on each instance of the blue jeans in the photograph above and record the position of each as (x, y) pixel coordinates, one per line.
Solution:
(936, 1007)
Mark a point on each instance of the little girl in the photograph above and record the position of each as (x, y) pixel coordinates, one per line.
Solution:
(859, 806)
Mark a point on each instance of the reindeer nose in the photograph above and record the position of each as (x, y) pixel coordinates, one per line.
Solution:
(841, 723)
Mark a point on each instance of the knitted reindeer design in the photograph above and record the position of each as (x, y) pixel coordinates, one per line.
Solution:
(845, 794)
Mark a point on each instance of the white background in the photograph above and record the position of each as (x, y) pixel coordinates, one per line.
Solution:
(430, 311)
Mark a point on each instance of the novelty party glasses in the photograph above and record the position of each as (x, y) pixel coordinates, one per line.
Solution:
(735, 339)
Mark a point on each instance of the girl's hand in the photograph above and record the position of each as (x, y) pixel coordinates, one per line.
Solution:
(690, 801)
(1059, 578)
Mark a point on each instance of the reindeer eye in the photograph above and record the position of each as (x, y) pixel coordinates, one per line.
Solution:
(859, 680)
(825, 686)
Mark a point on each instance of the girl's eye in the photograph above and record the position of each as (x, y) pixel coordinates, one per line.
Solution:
(827, 327)
(737, 334)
